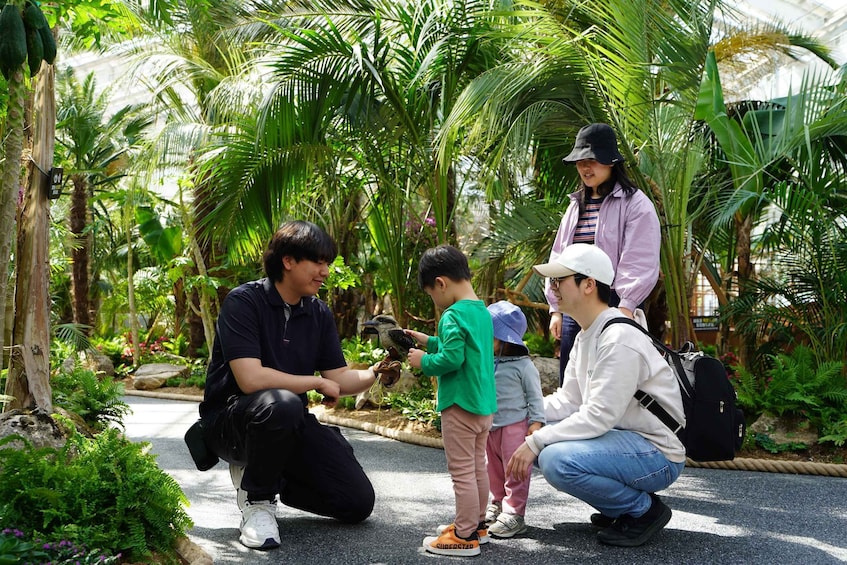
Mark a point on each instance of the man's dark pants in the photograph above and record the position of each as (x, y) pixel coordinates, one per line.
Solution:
(286, 451)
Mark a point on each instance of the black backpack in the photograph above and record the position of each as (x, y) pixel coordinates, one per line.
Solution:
(714, 427)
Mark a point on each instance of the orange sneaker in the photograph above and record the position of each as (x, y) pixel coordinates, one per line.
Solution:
(481, 532)
(448, 543)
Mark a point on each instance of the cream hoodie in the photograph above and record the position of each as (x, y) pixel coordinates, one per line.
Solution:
(604, 371)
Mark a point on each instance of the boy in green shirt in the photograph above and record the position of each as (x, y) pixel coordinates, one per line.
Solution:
(461, 358)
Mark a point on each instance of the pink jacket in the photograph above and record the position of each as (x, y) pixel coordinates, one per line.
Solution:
(628, 231)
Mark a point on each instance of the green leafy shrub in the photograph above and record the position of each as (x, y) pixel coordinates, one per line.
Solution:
(97, 400)
(196, 378)
(768, 444)
(796, 384)
(176, 346)
(418, 404)
(836, 433)
(313, 397)
(112, 348)
(366, 351)
(104, 492)
(709, 349)
(540, 345)
(344, 403)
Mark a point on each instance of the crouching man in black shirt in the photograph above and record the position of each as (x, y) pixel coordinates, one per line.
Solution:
(273, 336)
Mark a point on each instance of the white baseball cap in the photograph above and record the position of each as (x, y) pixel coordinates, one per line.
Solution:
(582, 259)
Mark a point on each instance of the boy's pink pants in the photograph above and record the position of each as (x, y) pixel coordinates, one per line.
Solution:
(465, 436)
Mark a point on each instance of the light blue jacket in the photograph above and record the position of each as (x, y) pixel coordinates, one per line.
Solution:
(518, 392)
(628, 231)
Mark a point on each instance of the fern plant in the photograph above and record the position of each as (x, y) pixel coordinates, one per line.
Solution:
(104, 492)
(97, 400)
(796, 384)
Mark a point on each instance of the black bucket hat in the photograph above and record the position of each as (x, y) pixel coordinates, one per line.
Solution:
(595, 141)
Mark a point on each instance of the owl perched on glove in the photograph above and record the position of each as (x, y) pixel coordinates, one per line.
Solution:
(393, 339)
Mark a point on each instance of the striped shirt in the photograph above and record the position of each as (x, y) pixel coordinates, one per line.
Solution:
(586, 227)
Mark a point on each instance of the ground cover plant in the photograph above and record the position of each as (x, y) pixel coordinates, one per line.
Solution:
(105, 493)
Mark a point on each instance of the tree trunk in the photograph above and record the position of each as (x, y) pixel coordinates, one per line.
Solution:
(10, 186)
(743, 246)
(346, 303)
(345, 306)
(451, 204)
(201, 326)
(196, 332)
(7, 322)
(656, 310)
(206, 312)
(29, 371)
(180, 306)
(80, 279)
(130, 291)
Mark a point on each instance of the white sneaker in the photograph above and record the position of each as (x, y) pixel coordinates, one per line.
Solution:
(507, 525)
(492, 512)
(258, 525)
(236, 473)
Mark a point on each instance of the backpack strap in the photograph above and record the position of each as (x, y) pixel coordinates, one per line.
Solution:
(658, 411)
(646, 400)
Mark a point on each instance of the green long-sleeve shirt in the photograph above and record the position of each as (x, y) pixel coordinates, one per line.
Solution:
(462, 357)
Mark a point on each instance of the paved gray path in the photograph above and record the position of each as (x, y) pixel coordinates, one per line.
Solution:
(719, 516)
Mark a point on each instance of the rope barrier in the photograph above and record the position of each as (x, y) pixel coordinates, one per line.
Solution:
(775, 466)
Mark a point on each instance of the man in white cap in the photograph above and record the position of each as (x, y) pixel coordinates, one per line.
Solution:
(600, 445)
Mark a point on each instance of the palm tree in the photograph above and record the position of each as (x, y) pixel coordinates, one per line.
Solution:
(790, 149)
(633, 65)
(636, 65)
(13, 143)
(356, 92)
(29, 382)
(184, 53)
(95, 151)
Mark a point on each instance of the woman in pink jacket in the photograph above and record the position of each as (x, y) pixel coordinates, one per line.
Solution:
(608, 211)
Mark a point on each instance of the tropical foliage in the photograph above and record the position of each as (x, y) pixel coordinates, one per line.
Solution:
(105, 492)
(798, 385)
(400, 125)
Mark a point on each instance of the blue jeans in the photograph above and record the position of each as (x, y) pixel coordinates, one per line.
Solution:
(614, 473)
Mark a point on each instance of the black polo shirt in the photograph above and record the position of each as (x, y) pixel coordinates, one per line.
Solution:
(252, 323)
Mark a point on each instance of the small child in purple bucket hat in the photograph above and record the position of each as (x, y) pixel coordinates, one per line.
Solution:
(520, 411)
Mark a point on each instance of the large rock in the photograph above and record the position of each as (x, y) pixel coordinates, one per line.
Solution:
(36, 426)
(548, 370)
(155, 375)
(785, 429)
(92, 360)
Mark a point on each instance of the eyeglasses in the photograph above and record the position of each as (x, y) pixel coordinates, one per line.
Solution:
(556, 281)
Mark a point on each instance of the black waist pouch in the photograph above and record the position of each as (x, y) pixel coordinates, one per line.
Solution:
(200, 452)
